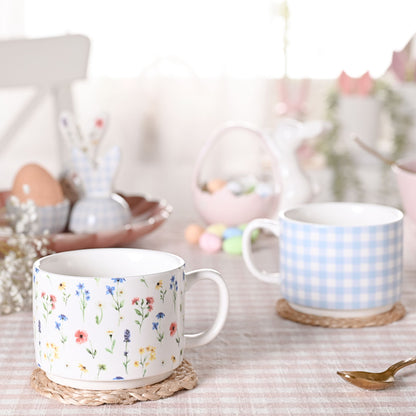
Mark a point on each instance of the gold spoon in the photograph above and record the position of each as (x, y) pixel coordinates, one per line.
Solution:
(381, 157)
(375, 381)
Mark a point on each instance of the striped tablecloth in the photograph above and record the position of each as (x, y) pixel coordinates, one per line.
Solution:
(259, 365)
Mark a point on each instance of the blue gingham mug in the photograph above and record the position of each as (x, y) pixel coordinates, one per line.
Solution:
(336, 259)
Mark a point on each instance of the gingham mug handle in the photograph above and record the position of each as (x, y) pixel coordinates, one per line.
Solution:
(265, 224)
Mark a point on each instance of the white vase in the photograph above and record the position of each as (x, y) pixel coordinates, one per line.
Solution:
(359, 116)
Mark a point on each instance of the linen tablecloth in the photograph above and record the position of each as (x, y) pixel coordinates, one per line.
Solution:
(260, 364)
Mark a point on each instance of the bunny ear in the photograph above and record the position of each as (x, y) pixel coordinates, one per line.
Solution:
(98, 129)
(69, 129)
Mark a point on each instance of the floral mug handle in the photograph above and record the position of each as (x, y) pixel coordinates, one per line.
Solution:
(202, 338)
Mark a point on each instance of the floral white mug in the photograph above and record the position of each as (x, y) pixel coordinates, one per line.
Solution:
(114, 318)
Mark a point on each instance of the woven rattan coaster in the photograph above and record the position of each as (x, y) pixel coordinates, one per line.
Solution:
(394, 314)
(184, 377)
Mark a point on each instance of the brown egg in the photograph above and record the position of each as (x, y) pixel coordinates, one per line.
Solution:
(36, 183)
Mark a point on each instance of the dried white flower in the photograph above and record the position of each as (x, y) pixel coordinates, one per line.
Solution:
(20, 251)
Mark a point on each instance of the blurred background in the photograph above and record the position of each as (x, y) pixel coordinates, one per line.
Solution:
(169, 72)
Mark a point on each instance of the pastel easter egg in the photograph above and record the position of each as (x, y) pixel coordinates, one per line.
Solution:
(215, 185)
(235, 187)
(216, 229)
(232, 232)
(37, 184)
(210, 243)
(264, 189)
(193, 232)
(233, 245)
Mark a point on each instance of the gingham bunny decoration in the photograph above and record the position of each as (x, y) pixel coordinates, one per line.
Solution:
(99, 209)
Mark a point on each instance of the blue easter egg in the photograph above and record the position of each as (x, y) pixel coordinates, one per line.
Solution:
(232, 232)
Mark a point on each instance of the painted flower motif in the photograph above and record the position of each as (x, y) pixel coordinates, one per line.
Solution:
(84, 297)
(172, 329)
(99, 317)
(101, 367)
(112, 342)
(83, 369)
(173, 286)
(39, 326)
(162, 292)
(110, 290)
(160, 315)
(160, 334)
(51, 354)
(126, 352)
(48, 303)
(144, 307)
(115, 293)
(150, 301)
(118, 378)
(147, 355)
(81, 337)
(118, 279)
(59, 325)
(65, 295)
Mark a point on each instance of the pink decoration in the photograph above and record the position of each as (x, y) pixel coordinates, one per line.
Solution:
(355, 86)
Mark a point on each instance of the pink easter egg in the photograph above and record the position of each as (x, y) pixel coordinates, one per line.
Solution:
(193, 232)
(210, 243)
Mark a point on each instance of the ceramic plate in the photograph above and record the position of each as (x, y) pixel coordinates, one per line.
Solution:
(147, 215)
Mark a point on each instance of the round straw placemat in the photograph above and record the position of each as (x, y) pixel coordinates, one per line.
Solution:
(287, 312)
(183, 378)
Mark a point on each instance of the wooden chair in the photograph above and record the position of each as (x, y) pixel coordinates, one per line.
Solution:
(49, 65)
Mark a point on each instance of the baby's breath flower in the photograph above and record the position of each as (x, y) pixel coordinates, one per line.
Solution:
(20, 251)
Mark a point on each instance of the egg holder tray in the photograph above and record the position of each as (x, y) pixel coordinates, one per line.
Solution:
(285, 311)
(182, 378)
(147, 215)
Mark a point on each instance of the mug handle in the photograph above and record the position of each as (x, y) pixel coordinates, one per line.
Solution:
(265, 224)
(196, 340)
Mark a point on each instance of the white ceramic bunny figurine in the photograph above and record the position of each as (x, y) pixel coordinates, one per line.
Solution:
(98, 209)
(287, 137)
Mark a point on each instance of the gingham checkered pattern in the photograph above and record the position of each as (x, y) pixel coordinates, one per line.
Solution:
(336, 267)
(97, 180)
(53, 218)
(90, 215)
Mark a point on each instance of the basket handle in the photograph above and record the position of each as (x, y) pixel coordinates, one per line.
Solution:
(221, 131)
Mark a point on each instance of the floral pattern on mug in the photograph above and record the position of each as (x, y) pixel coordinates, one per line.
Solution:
(78, 330)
